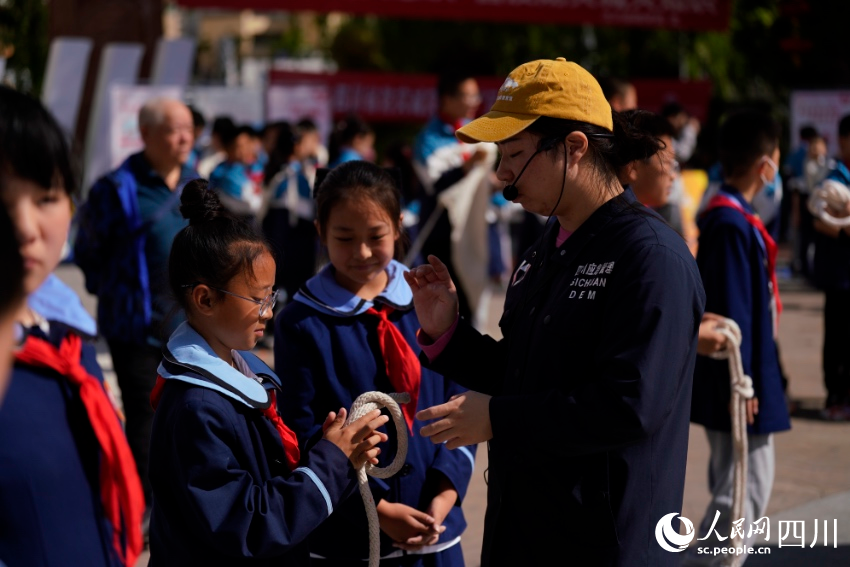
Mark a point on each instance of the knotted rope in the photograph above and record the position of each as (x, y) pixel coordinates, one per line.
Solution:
(362, 405)
(741, 387)
(830, 194)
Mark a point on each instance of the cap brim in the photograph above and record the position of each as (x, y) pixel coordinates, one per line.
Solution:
(494, 126)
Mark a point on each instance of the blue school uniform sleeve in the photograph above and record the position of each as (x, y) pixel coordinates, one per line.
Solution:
(725, 267)
(297, 359)
(237, 515)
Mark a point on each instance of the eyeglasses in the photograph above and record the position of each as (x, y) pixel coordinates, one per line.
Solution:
(266, 304)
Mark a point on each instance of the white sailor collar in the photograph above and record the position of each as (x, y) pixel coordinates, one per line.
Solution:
(323, 293)
(189, 358)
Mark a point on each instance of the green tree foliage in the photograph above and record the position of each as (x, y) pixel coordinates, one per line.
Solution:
(23, 36)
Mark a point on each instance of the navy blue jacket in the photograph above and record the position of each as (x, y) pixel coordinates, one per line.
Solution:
(591, 389)
(832, 255)
(50, 507)
(327, 354)
(223, 494)
(731, 259)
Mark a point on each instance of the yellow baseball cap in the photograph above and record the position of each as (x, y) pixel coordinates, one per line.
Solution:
(558, 89)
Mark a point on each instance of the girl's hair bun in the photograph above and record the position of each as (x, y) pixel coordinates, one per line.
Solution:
(199, 203)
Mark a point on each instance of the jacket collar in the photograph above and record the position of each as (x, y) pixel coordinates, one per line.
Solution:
(323, 293)
(187, 357)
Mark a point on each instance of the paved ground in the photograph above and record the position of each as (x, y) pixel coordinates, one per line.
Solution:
(813, 459)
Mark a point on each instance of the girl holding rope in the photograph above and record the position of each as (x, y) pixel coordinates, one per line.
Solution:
(230, 484)
(352, 329)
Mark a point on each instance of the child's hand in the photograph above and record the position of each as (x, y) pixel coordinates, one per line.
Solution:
(709, 340)
(402, 522)
(359, 439)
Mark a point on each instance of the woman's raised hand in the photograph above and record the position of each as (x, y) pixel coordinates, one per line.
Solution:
(434, 296)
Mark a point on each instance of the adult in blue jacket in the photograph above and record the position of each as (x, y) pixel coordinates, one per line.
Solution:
(585, 401)
(126, 227)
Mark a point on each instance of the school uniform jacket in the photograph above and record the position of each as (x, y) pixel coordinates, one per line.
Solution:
(223, 494)
(327, 354)
(51, 513)
(591, 389)
(732, 259)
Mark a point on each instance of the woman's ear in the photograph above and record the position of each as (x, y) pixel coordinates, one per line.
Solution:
(202, 299)
(576, 143)
(319, 231)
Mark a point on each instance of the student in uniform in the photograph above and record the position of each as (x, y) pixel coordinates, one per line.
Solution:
(11, 292)
(69, 491)
(230, 485)
(352, 329)
(737, 259)
(288, 223)
(585, 401)
(832, 274)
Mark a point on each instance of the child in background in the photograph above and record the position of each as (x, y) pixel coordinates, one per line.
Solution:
(652, 178)
(832, 274)
(352, 329)
(288, 222)
(238, 180)
(352, 140)
(230, 485)
(69, 490)
(737, 258)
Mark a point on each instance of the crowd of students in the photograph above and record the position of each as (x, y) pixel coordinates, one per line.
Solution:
(227, 461)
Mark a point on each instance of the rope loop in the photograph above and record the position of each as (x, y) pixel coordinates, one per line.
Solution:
(365, 403)
(830, 194)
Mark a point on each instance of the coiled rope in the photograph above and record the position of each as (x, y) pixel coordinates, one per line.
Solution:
(741, 387)
(362, 405)
(830, 194)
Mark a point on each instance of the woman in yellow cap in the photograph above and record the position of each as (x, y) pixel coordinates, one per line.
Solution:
(585, 401)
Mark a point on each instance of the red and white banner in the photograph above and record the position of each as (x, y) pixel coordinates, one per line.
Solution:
(669, 14)
(395, 97)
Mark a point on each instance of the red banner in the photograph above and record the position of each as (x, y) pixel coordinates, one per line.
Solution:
(669, 14)
(394, 97)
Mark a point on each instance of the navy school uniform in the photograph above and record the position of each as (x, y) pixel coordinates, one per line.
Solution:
(223, 494)
(327, 353)
(288, 225)
(591, 389)
(732, 259)
(50, 504)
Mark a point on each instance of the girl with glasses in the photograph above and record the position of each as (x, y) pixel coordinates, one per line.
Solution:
(230, 484)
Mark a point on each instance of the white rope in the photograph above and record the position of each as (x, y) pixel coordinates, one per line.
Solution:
(830, 194)
(362, 405)
(741, 387)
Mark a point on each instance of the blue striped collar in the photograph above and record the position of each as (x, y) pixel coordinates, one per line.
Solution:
(189, 358)
(323, 293)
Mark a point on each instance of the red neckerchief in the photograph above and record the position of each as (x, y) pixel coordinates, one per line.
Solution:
(287, 437)
(121, 490)
(401, 362)
(770, 245)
